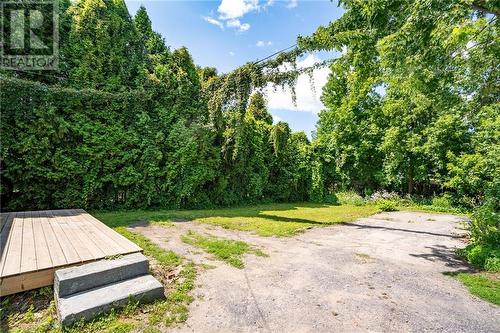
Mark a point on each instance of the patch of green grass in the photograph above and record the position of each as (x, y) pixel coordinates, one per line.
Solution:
(283, 219)
(260, 253)
(363, 256)
(175, 308)
(481, 285)
(164, 257)
(432, 209)
(228, 250)
(108, 322)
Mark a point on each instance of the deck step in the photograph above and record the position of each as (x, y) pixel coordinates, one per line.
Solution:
(90, 303)
(72, 280)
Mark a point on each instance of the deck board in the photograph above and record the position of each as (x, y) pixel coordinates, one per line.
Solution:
(43, 257)
(28, 252)
(4, 217)
(73, 237)
(121, 241)
(5, 239)
(12, 263)
(55, 250)
(35, 244)
(101, 240)
(93, 249)
(66, 245)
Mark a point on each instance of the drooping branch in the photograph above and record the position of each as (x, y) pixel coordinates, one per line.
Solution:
(233, 89)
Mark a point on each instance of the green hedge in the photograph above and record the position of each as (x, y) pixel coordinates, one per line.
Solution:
(70, 148)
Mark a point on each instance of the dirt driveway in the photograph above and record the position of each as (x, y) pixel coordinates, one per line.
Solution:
(379, 274)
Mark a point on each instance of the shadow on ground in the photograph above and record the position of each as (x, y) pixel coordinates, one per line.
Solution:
(446, 255)
(283, 212)
(365, 226)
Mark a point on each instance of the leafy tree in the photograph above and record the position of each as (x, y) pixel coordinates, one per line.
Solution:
(103, 47)
(398, 99)
(154, 49)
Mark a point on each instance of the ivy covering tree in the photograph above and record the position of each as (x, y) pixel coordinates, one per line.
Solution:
(127, 123)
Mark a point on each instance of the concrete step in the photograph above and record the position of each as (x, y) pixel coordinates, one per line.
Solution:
(88, 304)
(72, 280)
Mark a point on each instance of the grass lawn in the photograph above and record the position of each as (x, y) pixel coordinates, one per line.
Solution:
(266, 220)
(483, 285)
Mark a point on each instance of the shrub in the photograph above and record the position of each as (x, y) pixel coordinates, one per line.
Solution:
(350, 198)
(443, 201)
(484, 228)
(482, 256)
(492, 263)
(387, 205)
(484, 250)
(331, 199)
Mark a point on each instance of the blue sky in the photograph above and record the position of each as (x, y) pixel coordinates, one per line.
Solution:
(228, 33)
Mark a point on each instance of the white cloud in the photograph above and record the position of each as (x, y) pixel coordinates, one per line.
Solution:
(262, 43)
(276, 119)
(232, 9)
(213, 21)
(231, 12)
(231, 53)
(292, 4)
(307, 98)
(235, 23)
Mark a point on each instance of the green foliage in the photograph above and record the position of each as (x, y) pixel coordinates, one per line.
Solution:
(85, 148)
(476, 171)
(258, 109)
(486, 257)
(164, 134)
(386, 205)
(443, 201)
(485, 227)
(411, 100)
(103, 50)
(484, 250)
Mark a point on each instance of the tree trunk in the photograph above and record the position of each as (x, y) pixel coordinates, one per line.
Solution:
(411, 183)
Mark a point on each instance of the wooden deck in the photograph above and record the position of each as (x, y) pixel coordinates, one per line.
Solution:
(34, 244)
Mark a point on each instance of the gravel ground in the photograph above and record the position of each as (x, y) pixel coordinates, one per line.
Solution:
(378, 274)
